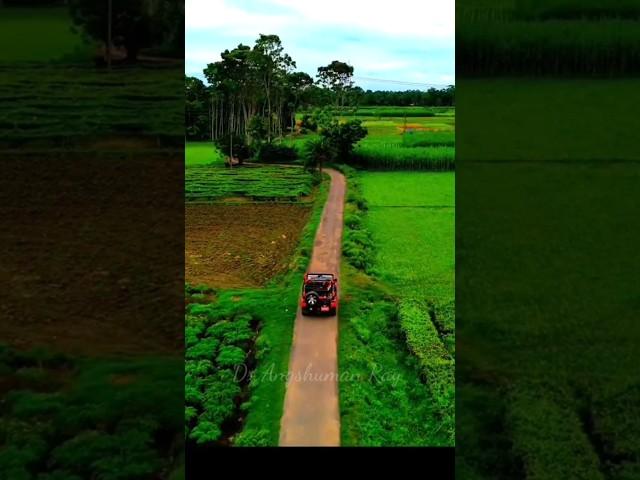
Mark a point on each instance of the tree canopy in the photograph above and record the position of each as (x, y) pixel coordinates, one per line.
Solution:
(254, 92)
(136, 24)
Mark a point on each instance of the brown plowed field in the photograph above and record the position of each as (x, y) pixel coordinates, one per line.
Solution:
(228, 246)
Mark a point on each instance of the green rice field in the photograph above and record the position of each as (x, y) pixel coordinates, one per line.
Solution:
(400, 317)
(22, 31)
(81, 102)
(426, 203)
(256, 183)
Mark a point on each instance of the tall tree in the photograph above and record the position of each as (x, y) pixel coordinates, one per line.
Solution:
(197, 109)
(136, 24)
(274, 66)
(337, 76)
(299, 83)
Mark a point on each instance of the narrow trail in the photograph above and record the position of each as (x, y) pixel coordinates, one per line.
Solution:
(311, 414)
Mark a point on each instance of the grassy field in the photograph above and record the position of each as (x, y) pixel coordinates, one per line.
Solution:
(402, 143)
(550, 134)
(426, 202)
(198, 154)
(382, 112)
(207, 179)
(547, 382)
(22, 31)
(403, 322)
(506, 37)
(416, 143)
(80, 103)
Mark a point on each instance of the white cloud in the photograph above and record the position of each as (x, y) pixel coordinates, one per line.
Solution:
(220, 14)
(421, 19)
(408, 40)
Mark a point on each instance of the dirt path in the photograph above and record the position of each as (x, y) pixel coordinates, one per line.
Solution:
(311, 415)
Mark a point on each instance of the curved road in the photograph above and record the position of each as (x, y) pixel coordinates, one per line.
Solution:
(311, 414)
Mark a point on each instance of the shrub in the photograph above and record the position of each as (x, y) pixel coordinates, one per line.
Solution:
(205, 432)
(253, 438)
(241, 150)
(230, 356)
(276, 153)
(309, 123)
(549, 436)
(205, 349)
(425, 343)
(317, 152)
(343, 136)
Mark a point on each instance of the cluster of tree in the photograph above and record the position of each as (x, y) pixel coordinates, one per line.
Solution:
(135, 24)
(431, 98)
(255, 91)
(335, 143)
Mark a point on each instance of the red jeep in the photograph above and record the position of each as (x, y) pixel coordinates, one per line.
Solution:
(319, 294)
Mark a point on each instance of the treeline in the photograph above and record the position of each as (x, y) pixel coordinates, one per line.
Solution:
(256, 92)
(433, 97)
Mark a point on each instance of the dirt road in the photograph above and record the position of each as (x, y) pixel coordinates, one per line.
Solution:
(311, 414)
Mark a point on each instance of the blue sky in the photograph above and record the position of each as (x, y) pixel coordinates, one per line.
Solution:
(411, 41)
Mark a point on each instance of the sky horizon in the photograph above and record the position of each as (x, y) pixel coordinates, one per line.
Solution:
(404, 45)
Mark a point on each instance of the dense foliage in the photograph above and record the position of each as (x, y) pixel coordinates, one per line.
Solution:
(260, 82)
(135, 23)
(432, 97)
(72, 418)
(218, 358)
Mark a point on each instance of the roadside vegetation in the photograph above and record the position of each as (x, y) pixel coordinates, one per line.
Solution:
(398, 309)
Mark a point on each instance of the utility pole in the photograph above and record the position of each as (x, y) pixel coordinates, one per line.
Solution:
(109, 21)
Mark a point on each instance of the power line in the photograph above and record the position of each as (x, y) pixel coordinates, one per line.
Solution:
(400, 82)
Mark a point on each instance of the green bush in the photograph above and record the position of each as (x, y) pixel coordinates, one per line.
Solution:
(236, 144)
(205, 349)
(205, 432)
(276, 153)
(435, 361)
(253, 438)
(309, 123)
(343, 136)
(213, 393)
(357, 244)
(230, 356)
(548, 435)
